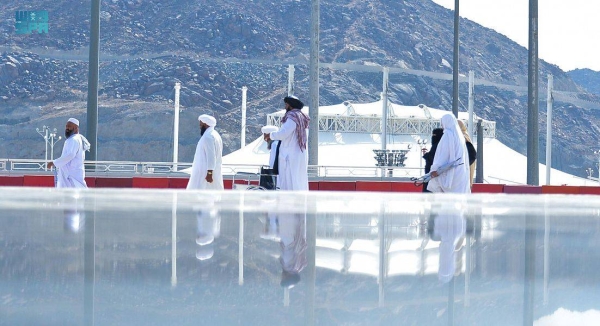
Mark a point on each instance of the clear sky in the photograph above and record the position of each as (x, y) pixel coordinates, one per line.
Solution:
(569, 30)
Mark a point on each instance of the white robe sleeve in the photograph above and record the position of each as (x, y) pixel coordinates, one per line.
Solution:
(211, 149)
(69, 151)
(286, 130)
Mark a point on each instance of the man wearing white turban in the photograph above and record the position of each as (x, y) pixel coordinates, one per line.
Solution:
(206, 168)
(450, 150)
(70, 170)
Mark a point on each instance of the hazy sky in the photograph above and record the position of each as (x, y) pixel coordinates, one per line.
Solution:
(569, 30)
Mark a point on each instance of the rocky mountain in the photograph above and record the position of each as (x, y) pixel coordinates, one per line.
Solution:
(214, 48)
(586, 78)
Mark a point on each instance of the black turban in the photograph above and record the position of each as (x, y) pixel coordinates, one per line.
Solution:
(294, 102)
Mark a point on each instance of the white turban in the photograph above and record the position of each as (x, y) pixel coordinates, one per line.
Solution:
(269, 129)
(209, 120)
(75, 121)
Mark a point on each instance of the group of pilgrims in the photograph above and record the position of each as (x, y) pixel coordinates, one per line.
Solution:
(288, 154)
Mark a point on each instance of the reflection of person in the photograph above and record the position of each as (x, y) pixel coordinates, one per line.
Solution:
(292, 162)
(436, 135)
(451, 149)
(206, 168)
(70, 168)
(292, 233)
(208, 229)
(449, 228)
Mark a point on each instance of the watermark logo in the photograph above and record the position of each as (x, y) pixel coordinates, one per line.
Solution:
(27, 22)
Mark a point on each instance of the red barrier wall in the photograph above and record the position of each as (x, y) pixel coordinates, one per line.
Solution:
(511, 189)
(114, 182)
(38, 180)
(406, 187)
(313, 185)
(573, 190)
(154, 183)
(10, 181)
(337, 185)
(589, 190)
(487, 188)
(90, 182)
(373, 186)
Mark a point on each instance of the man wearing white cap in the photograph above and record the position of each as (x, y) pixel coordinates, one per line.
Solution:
(70, 171)
(206, 168)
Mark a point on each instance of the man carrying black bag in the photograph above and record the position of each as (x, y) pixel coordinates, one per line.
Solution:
(268, 177)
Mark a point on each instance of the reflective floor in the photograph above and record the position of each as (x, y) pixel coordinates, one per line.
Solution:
(135, 257)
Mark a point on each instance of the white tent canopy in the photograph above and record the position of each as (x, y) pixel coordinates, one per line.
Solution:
(351, 153)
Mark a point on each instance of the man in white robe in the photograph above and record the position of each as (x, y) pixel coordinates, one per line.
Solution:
(206, 168)
(451, 148)
(70, 170)
(291, 163)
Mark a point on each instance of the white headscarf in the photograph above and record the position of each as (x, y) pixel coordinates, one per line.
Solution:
(451, 148)
(209, 120)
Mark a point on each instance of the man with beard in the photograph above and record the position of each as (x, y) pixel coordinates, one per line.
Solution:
(70, 170)
(291, 158)
(206, 168)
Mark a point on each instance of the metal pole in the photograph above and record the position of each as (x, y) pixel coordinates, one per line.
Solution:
(549, 129)
(176, 127)
(455, 61)
(479, 162)
(533, 173)
(46, 136)
(382, 255)
(94, 63)
(243, 133)
(384, 111)
(241, 242)
(471, 102)
(313, 134)
(291, 80)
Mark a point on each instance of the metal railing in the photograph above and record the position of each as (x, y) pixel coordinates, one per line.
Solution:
(128, 168)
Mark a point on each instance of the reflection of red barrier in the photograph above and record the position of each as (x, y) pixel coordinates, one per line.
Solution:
(373, 186)
(178, 183)
(11, 181)
(406, 187)
(337, 185)
(90, 182)
(511, 189)
(487, 188)
(313, 185)
(589, 190)
(114, 182)
(38, 181)
(560, 190)
(142, 182)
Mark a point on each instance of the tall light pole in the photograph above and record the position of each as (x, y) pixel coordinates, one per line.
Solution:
(94, 63)
(533, 169)
(176, 128)
(313, 129)
(455, 61)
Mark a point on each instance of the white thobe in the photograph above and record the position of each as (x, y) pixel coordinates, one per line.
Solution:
(208, 156)
(293, 162)
(456, 179)
(70, 170)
